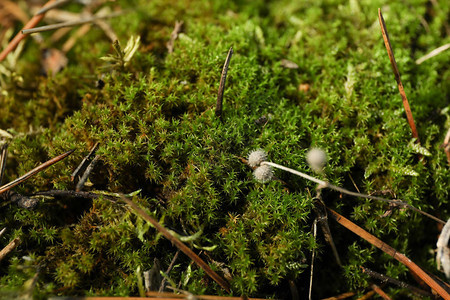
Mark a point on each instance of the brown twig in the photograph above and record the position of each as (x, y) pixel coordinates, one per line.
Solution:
(380, 292)
(33, 172)
(179, 244)
(387, 43)
(341, 296)
(20, 36)
(223, 78)
(85, 162)
(390, 251)
(86, 173)
(386, 279)
(10, 247)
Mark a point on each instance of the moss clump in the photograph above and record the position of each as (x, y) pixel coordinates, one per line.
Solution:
(155, 122)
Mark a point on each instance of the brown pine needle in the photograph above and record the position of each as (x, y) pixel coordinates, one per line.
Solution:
(33, 172)
(341, 296)
(223, 79)
(390, 251)
(387, 43)
(20, 36)
(179, 244)
(380, 292)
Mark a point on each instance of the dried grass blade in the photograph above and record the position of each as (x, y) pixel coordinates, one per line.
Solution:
(390, 251)
(179, 244)
(20, 36)
(85, 162)
(3, 153)
(33, 172)
(223, 78)
(380, 292)
(387, 43)
(69, 23)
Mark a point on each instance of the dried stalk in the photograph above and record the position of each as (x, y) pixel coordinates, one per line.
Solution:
(20, 36)
(380, 292)
(33, 172)
(223, 78)
(387, 43)
(385, 279)
(179, 244)
(390, 251)
(70, 23)
(324, 184)
(433, 53)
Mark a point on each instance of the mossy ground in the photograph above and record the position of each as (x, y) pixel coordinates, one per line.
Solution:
(158, 132)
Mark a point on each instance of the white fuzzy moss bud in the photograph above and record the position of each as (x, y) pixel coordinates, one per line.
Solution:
(263, 173)
(316, 159)
(256, 157)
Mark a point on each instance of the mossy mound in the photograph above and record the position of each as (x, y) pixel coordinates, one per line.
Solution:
(158, 133)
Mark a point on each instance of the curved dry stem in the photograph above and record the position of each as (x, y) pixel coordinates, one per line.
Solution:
(324, 184)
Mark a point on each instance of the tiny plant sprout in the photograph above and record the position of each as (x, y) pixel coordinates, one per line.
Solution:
(316, 159)
(256, 157)
(263, 173)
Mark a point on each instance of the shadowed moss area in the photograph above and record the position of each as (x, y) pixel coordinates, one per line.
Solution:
(158, 133)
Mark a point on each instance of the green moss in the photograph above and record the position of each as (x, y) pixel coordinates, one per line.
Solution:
(158, 133)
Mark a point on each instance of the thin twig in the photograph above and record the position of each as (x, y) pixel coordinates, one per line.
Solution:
(86, 173)
(172, 263)
(387, 43)
(386, 279)
(174, 36)
(433, 53)
(341, 296)
(3, 154)
(380, 292)
(312, 259)
(70, 23)
(10, 247)
(33, 172)
(390, 251)
(324, 184)
(180, 245)
(2, 231)
(85, 162)
(20, 36)
(52, 6)
(223, 78)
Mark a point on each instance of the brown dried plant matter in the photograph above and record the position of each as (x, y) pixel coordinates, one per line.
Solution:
(20, 36)
(387, 43)
(415, 269)
(179, 244)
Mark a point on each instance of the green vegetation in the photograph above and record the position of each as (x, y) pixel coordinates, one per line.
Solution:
(155, 122)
